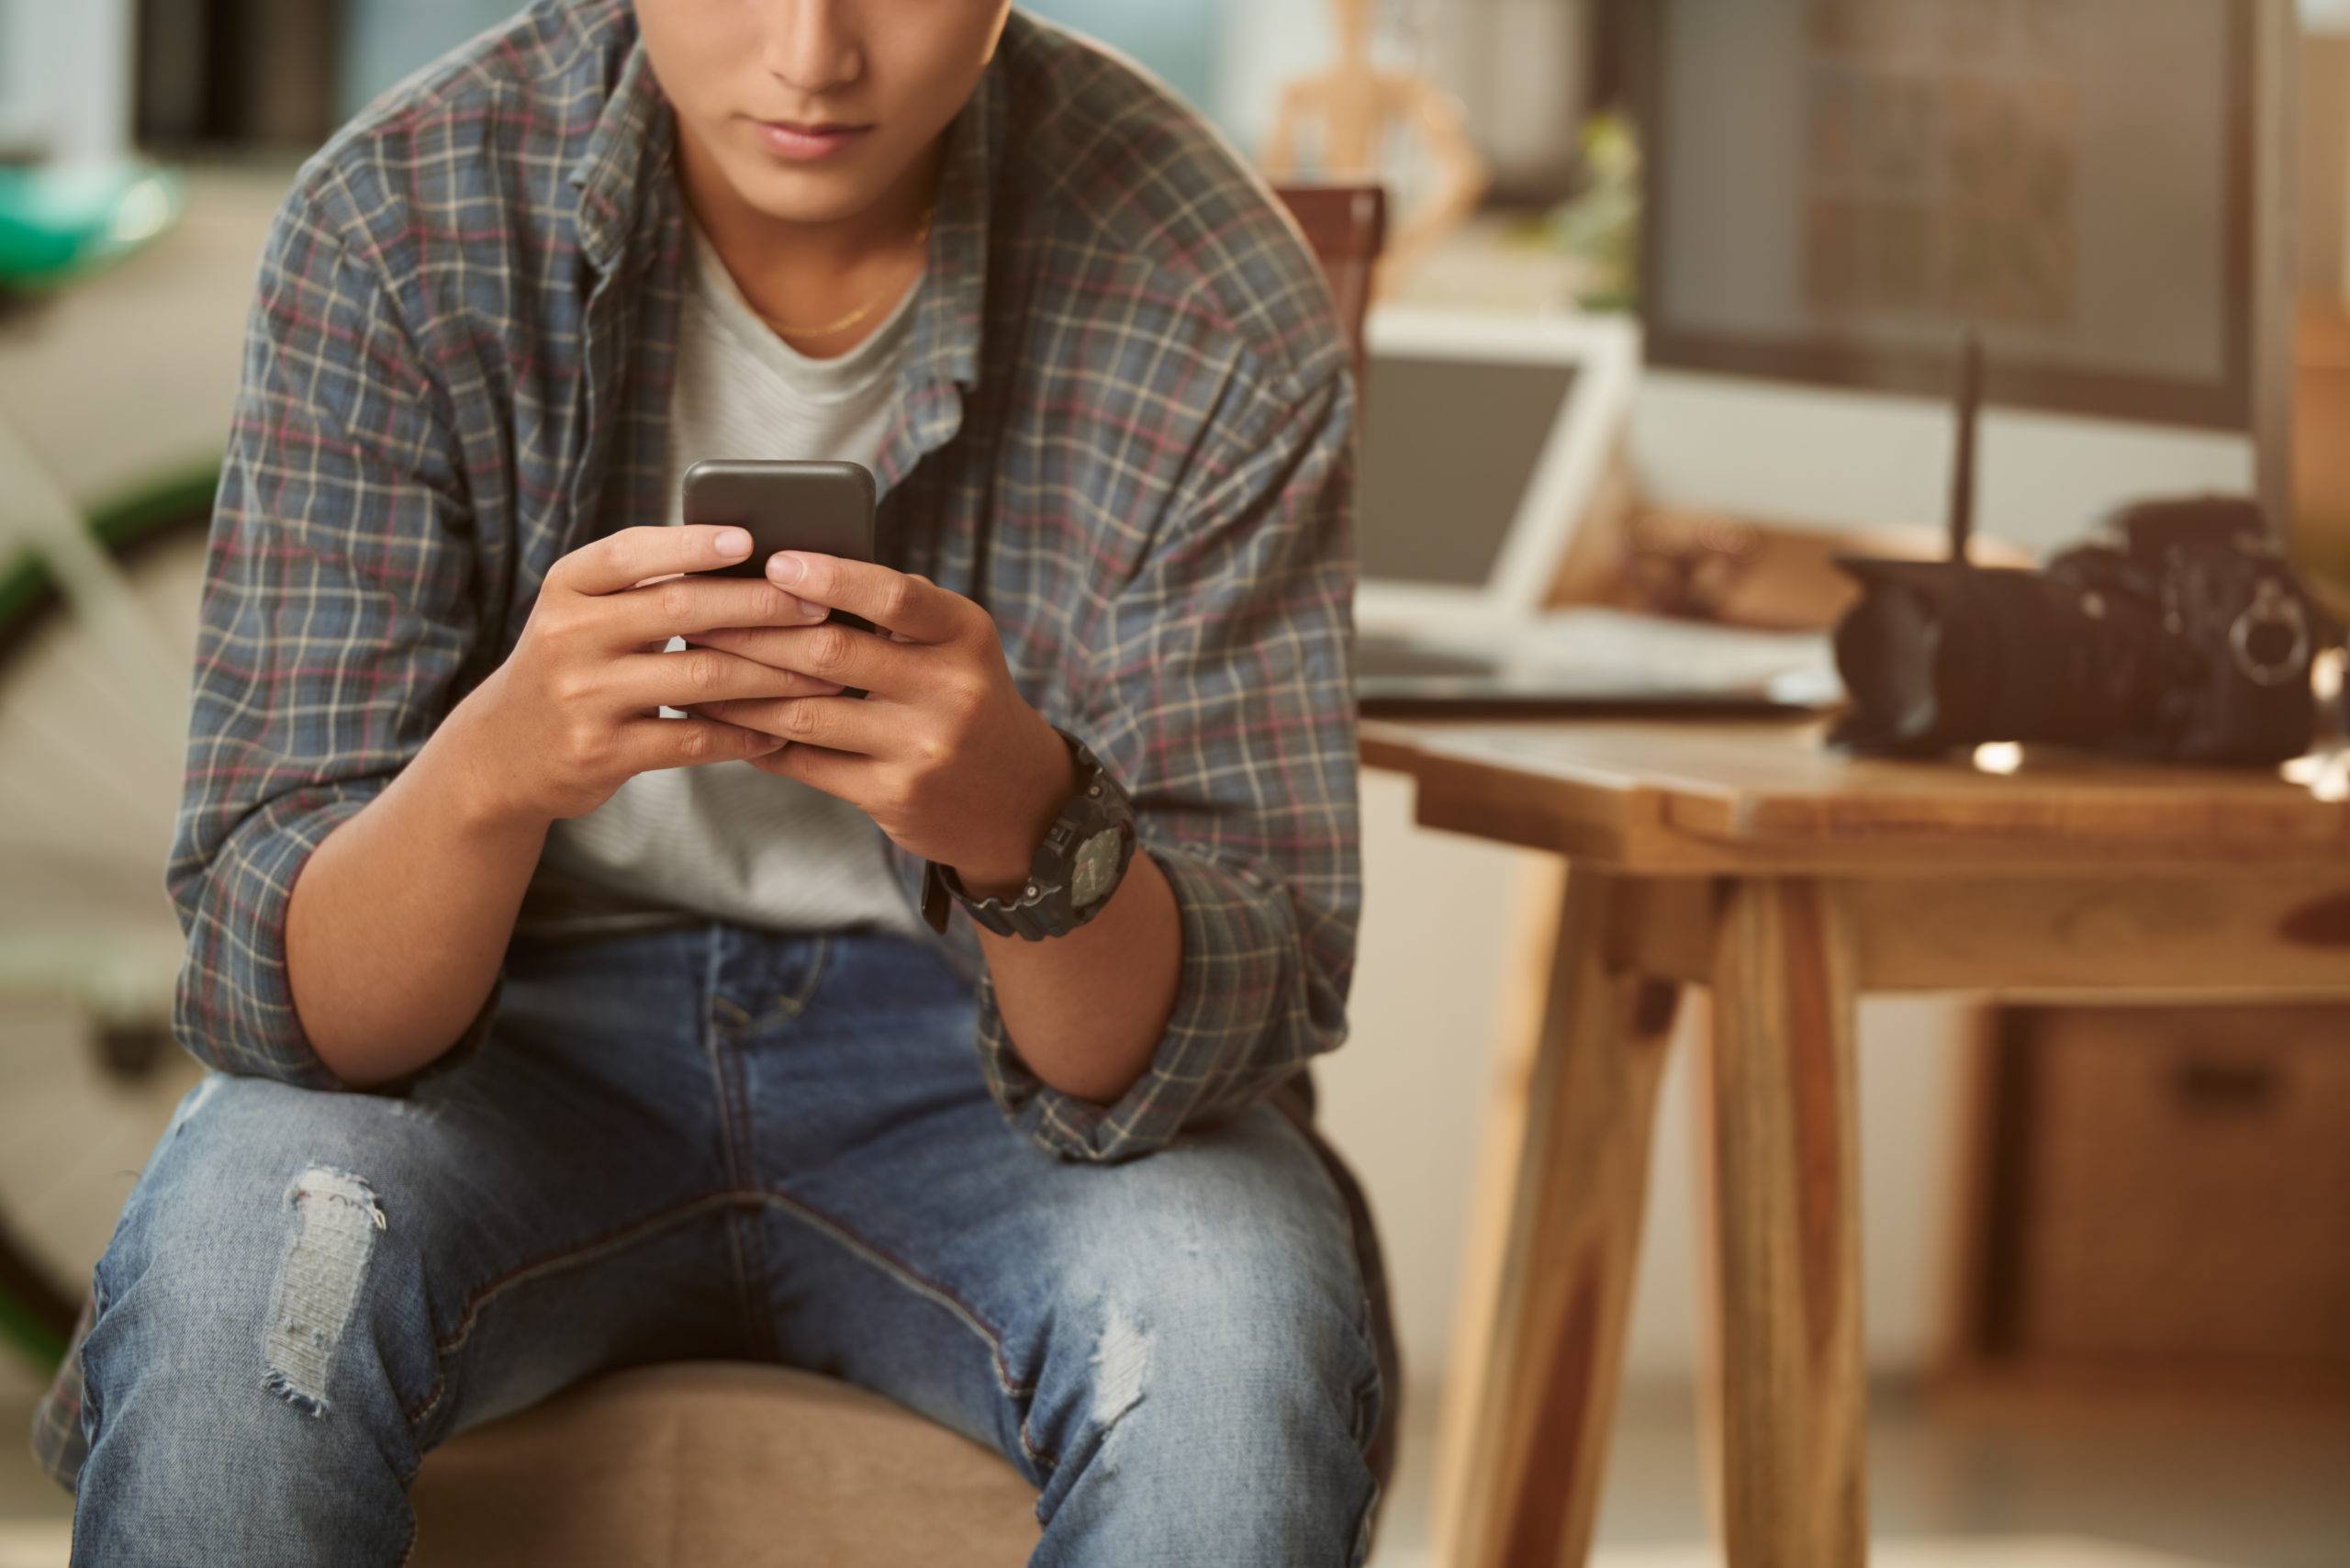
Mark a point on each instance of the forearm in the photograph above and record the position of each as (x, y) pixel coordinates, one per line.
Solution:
(1087, 1008)
(400, 919)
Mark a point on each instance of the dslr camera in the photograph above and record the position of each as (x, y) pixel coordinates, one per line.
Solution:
(2183, 635)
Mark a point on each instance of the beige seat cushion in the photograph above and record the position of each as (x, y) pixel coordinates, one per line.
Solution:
(719, 1461)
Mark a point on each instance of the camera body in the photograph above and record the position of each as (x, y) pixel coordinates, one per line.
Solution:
(2185, 636)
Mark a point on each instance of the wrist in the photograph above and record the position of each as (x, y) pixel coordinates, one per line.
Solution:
(1074, 869)
(1001, 870)
(460, 750)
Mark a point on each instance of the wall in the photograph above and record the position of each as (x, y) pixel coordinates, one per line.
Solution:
(383, 40)
(2041, 479)
(1174, 39)
(65, 76)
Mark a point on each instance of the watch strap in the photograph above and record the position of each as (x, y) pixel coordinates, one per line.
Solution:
(1043, 909)
(937, 902)
(1006, 917)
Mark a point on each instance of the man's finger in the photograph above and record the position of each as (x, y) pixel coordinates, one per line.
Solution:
(694, 603)
(915, 608)
(652, 743)
(716, 675)
(629, 556)
(840, 654)
(836, 773)
(837, 724)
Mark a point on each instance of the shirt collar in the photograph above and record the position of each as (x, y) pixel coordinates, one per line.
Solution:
(631, 145)
(946, 344)
(943, 352)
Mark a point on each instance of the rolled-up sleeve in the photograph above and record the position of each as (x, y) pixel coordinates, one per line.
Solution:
(1221, 693)
(336, 615)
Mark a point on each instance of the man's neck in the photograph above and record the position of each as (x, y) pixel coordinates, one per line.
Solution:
(799, 274)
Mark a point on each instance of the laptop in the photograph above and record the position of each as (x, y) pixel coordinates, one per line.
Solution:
(1485, 440)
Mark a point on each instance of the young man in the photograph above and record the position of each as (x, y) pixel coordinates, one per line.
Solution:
(562, 933)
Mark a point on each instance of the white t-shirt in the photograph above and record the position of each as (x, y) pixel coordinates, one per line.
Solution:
(722, 838)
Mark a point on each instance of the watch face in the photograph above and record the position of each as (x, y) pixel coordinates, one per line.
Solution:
(1096, 869)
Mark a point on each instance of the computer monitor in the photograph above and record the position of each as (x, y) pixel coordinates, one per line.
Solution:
(1838, 191)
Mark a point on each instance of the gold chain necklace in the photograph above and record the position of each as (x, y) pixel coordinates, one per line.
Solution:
(843, 323)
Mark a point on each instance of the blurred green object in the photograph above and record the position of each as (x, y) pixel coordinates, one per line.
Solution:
(1600, 224)
(62, 221)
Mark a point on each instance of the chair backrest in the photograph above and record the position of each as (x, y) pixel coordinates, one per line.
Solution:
(1347, 226)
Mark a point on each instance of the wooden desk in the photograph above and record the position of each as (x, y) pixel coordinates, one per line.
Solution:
(1746, 856)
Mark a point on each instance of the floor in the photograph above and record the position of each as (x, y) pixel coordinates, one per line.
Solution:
(2130, 1489)
(2245, 1491)
(2136, 1488)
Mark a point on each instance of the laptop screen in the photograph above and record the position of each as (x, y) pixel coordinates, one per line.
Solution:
(1449, 447)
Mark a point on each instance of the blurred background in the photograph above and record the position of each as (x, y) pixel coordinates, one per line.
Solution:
(2141, 1354)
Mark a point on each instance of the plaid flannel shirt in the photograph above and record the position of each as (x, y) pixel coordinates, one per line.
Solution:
(1125, 373)
(1124, 366)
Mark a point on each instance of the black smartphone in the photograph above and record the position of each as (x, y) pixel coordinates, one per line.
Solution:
(823, 507)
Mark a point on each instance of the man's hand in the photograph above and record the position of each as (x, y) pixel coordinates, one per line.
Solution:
(575, 709)
(944, 753)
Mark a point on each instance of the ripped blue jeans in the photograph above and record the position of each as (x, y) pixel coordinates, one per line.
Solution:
(718, 1141)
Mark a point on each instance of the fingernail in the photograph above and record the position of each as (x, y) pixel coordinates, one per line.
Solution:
(787, 567)
(733, 542)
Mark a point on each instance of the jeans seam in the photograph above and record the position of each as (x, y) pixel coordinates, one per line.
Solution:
(604, 1243)
(752, 1253)
(714, 1039)
(644, 1225)
(935, 1290)
(748, 1249)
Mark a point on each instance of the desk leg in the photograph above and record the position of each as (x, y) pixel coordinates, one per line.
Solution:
(1786, 1420)
(1549, 1273)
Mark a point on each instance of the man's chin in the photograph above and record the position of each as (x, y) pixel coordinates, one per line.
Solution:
(786, 195)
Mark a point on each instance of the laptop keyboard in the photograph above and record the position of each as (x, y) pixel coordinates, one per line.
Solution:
(1381, 656)
(1602, 655)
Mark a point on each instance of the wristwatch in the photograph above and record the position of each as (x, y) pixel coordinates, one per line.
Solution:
(1073, 872)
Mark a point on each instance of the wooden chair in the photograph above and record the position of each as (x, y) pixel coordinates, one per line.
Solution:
(1347, 227)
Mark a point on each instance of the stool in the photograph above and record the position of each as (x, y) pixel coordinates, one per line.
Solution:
(739, 1463)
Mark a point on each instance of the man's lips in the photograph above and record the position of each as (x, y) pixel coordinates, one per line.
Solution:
(805, 141)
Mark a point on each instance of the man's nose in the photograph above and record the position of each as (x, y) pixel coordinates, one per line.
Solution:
(812, 46)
